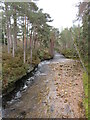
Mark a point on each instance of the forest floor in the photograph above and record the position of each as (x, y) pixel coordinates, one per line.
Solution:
(58, 93)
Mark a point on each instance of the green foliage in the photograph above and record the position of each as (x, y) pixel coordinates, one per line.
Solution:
(14, 68)
(40, 53)
(81, 42)
(43, 53)
(69, 53)
(85, 101)
(66, 44)
(23, 21)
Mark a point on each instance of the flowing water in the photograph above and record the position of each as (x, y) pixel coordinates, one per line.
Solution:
(31, 98)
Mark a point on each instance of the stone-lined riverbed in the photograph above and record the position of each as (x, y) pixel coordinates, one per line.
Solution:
(56, 92)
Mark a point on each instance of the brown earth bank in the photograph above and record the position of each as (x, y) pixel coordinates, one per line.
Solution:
(58, 93)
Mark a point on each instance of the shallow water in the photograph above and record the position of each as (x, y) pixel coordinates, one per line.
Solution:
(33, 98)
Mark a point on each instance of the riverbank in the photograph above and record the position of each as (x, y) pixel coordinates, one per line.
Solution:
(57, 92)
(14, 69)
(69, 87)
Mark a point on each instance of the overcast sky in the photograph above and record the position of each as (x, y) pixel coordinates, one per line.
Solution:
(62, 11)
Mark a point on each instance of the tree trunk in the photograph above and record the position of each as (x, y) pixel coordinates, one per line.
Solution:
(23, 35)
(8, 29)
(79, 55)
(3, 37)
(27, 35)
(25, 42)
(10, 33)
(52, 46)
(15, 27)
(31, 51)
(13, 48)
(4, 41)
(31, 37)
(34, 38)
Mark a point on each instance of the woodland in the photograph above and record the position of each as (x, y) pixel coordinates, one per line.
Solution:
(27, 39)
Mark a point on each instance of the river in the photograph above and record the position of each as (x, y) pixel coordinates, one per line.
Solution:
(36, 95)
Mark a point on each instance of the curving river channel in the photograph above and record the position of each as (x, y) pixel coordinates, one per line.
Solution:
(36, 96)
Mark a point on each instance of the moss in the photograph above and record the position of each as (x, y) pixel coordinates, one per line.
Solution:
(85, 84)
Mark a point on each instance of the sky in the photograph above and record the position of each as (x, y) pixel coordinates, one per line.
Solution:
(62, 11)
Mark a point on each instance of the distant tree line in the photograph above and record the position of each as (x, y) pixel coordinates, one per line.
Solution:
(79, 33)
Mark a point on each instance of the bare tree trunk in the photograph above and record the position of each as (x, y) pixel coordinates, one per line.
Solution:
(3, 38)
(30, 39)
(10, 33)
(25, 42)
(79, 55)
(4, 41)
(15, 28)
(8, 30)
(27, 34)
(24, 55)
(31, 56)
(33, 42)
(36, 43)
(34, 38)
(13, 48)
(23, 35)
(52, 45)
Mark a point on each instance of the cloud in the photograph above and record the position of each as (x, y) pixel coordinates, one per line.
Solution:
(62, 11)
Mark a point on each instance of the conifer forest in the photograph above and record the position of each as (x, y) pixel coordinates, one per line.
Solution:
(44, 70)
